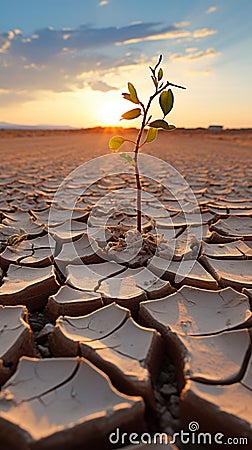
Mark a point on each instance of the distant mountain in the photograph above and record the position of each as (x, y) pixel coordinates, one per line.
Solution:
(14, 126)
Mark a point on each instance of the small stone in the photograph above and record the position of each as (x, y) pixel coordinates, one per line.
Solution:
(45, 352)
(44, 333)
(168, 389)
(174, 399)
(37, 353)
(159, 398)
(36, 321)
(166, 419)
(35, 325)
(164, 377)
(174, 406)
(161, 409)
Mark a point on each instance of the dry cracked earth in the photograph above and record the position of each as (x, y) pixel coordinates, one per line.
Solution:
(93, 343)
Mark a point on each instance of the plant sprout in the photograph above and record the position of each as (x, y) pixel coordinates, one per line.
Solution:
(166, 101)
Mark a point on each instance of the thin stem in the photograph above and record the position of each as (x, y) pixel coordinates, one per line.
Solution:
(139, 194)
(175, 85)
(129, 140)
(137, 174)
(138, 144)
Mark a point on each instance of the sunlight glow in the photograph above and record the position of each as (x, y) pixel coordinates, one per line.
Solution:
(111, 112)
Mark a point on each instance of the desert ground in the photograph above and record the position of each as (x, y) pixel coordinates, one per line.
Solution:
(105, 331)
(183, 148)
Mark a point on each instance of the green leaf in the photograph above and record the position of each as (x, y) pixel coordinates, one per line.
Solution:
(160, 74)
(128, 158)
(127, 96)
(151, 134)
(166, 101)
(116, 142)
(132, 114)
(133, 93)
(159, 124)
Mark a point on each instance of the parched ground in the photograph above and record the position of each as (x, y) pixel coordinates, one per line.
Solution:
(69, 148)
(153, 339)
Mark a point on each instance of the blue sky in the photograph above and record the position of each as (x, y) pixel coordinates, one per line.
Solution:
(66, 62)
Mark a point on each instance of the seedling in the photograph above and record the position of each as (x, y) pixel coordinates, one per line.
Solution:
(166, 101)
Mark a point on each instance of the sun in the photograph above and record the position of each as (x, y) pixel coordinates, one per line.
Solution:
(110, 113)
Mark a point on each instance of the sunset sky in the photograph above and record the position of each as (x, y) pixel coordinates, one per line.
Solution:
(66, 62)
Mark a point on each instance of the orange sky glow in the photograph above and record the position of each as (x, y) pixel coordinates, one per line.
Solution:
(72, 69)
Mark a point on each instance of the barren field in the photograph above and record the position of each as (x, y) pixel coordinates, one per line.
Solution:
(106, 331)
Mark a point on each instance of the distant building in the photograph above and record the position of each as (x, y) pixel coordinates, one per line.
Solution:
(215, 128)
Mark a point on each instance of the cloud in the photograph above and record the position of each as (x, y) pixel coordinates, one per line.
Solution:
(203, 32)
(211, 9)
(4, 46)
(190, 49)
(103, 3)
(47, 43)
(6, 38)
(195, 55)
(182, 24)
(65, 59)
(171, 34)
(67, 72)
(56, 59)
(101, 86)
(9, 97)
